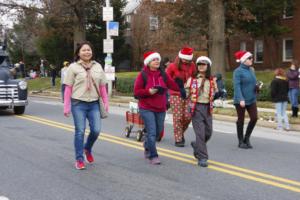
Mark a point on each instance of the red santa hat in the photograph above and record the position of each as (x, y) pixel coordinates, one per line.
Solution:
(204, 59)
(186, 53)
(242, 56)
(149, 56)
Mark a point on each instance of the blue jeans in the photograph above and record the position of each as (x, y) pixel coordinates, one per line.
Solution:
(293, 95)
(154, 124)
(281, 114)
(81, 111)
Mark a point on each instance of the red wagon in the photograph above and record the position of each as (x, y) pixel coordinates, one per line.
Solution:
(135, 119)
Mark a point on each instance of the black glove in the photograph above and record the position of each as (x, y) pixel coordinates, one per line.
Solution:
(160, 90)
(179, 82)
(182, 93)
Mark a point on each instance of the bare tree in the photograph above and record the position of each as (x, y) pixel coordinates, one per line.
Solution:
(217, 35)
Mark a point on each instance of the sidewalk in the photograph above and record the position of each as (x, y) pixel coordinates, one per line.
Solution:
(123, 101)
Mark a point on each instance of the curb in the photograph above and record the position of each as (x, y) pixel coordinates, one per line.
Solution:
(124, 104)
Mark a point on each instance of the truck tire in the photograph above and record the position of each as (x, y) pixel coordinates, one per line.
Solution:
(19, 110)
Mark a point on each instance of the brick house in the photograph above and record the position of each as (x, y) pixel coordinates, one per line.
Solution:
(149, 29)
(268, 52)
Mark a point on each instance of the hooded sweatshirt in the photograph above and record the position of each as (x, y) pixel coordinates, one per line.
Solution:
(187, 70)
(158, 101)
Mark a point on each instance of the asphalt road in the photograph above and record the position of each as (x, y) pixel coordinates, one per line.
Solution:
(37, 162)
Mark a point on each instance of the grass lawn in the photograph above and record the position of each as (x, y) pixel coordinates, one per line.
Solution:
(43, 84)
(265, 76)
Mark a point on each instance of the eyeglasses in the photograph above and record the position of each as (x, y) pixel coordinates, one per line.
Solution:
(201, 64)
(250, 58)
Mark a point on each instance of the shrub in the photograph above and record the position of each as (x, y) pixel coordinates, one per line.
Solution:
(264, 94)
(125, 85)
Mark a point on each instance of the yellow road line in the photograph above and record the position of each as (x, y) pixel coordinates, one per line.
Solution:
(264, 175)
(190, 160)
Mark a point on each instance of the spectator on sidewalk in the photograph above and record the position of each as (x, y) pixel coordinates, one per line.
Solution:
(279, 94)
(244, 82)
(181, 70)
(63, 73)
(80, 81)
(22, 69)
(201, 88)
(42, 69)
(53, 74)
(152, 101)
(222, 93)
(293, 77)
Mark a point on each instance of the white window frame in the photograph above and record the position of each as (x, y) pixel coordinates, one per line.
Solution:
(243, 46)
(284, 59)
(284, 14)
(255, 51)
(153, 23)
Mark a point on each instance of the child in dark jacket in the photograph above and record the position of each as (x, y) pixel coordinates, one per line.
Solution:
(152, 102)
(279, 94)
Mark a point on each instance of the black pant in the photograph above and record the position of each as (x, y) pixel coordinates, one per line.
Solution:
(252, 111)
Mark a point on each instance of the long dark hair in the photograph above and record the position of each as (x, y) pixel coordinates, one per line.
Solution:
(207, 73)
(79, 46)
(207, 76)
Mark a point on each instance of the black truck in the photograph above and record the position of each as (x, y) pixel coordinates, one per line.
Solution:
(13, 92)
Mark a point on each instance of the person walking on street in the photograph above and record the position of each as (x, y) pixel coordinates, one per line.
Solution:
(152, 101)
(81, 97)
(279, 94)
(181, 70)
(245, 91)
(201, 88)
(63, 73)
(293, 78)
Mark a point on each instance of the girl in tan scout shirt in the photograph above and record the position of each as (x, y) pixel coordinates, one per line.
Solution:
(81, 98)
(201, 88)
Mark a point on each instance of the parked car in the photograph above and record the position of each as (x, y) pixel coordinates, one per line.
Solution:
(13, 92)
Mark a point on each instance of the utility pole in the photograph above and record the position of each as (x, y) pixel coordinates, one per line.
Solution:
(108, 49)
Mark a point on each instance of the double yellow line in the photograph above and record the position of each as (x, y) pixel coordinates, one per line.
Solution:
(248, 174)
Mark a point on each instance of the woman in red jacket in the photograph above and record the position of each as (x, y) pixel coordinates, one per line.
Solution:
(152, 101)
(181, 70)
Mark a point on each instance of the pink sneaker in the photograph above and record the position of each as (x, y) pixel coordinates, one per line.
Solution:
(79, 165)
(155, 161)
(89, 157)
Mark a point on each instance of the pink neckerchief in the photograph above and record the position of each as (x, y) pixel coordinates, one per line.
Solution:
(87, 68)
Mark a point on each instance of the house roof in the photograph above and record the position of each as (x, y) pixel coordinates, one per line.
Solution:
(131, 6)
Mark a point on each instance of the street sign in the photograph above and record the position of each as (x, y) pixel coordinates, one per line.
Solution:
(108, 46)
(108, 14)
(110, 73)
(113, 28)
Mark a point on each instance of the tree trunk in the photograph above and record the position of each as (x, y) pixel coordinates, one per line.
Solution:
(217, 36)
(79, 23)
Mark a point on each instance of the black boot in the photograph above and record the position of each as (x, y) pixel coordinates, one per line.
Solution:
(293, 112)
(240, 133)
(249, 130)
(247, 142)
(296, 111)
(179, 144)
